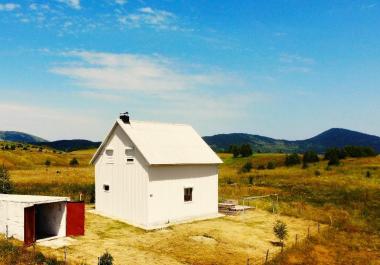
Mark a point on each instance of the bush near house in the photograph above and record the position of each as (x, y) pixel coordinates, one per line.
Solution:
(5, 181)
(74, 162)
(292, 160)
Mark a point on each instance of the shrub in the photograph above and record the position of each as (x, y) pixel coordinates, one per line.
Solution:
(271, 165)
(106, 259)
(47, 162)
(293, 159)
(245, 150)
(234, 149)
(261, 167)
(230, 181)
(13, 147)
(246, 167)
(280, 230)
(360, 151)
(310, 157)
(250, 180)
(74, 162)
(317, 173)
(54, 261)
(334, 160)
(39, 258)
(368, 174)
(5, 181)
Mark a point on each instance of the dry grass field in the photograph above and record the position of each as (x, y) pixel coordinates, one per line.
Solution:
(226, 240)
(346, 198)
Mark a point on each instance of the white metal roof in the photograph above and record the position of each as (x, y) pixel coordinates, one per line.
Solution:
(35, 199)
(166, 144)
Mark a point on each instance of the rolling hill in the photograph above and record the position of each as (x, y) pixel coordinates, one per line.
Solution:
(335, 137)
(70, 145)
(13, 136)
(63, 145)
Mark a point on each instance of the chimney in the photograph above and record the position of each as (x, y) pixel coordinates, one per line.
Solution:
(124, 117)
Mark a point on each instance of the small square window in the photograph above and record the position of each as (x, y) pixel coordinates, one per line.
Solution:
(106, 187)
(129, 153)
(188, 194)
(109, 156)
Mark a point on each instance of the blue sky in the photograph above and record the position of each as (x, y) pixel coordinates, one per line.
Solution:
(284, 69)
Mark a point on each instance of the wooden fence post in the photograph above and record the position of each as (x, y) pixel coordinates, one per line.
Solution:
(247, 261)
(296, 239)
(65, 254)
(266, 256)
(318, 227)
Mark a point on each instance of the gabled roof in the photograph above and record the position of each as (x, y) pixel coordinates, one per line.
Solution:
(165, 144)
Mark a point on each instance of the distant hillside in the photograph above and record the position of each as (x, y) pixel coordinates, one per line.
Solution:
(63, 145)
(21, 137)
(331, 138)
(70, 145)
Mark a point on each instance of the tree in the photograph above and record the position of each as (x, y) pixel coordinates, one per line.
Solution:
(310, 157)
(106, 259)
(246, 167)
(271, 165)
(5, 181)
(293, 159)
(334, 160)
(234, 149)
(74, 162)
(280, 230)
(245, 150)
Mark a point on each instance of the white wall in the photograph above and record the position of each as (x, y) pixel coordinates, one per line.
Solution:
(166, 193)
(127, 198)
(12, 215)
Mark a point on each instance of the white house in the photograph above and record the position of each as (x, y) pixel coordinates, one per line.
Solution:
(152, 174)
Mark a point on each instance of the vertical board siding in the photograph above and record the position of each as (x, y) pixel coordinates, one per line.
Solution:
(166, 186)
(127, 198)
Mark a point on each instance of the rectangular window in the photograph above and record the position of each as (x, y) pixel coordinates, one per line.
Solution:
(106, 187)
(109, 156)
(188, 194)
(129, 153)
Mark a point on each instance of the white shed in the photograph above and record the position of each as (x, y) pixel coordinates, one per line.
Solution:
(152, 174)
(33, 218)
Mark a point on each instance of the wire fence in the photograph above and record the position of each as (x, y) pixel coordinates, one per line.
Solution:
(272, 253)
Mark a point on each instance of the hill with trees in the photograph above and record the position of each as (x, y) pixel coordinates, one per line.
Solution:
(331, 138)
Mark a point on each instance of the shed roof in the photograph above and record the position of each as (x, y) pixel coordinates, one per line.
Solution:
(35, 199)
(166, 144)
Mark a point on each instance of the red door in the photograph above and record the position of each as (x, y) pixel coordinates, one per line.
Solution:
(75, 219)
(29, 225)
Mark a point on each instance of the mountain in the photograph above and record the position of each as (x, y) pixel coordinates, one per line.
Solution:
(70, 145)
(335, 137)
(21, 137)
(63, 145)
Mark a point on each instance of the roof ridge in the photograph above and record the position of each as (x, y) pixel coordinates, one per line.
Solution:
(158, 122)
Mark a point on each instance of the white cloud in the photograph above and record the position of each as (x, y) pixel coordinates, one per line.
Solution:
(293, 63)
(47, 122)
(72, 3)
(131, 72)
(120, 2)
(9, 6)
(294, 58)
(147, 16)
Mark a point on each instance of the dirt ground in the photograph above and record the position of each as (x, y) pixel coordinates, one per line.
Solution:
(225, 240)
